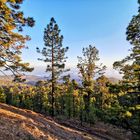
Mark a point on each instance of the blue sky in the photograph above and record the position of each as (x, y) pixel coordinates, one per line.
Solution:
(101, 23)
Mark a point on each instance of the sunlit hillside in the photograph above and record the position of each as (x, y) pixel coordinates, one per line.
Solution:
(24, 124)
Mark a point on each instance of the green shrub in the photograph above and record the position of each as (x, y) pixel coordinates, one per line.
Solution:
(2, 96)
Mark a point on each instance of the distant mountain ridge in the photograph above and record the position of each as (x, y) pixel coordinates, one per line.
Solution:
(32, 79)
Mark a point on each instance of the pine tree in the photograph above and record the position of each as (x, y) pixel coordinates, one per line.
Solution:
(54, 54)
(12, 21)
(88, 70)
(102, 91)
(130, 68)
(130, 65)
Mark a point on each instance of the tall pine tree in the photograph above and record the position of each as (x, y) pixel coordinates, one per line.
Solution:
(130, 65)
(12, 21)
(54, 54)
(88, 70)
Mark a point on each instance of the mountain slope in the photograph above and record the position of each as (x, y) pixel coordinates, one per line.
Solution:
(19, 124)
(22, 124)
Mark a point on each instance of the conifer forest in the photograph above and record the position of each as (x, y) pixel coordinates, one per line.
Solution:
(59, 95)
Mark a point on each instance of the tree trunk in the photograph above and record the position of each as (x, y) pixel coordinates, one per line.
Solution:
(52, 94)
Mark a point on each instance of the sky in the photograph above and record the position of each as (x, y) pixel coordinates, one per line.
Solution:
(101, 23)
